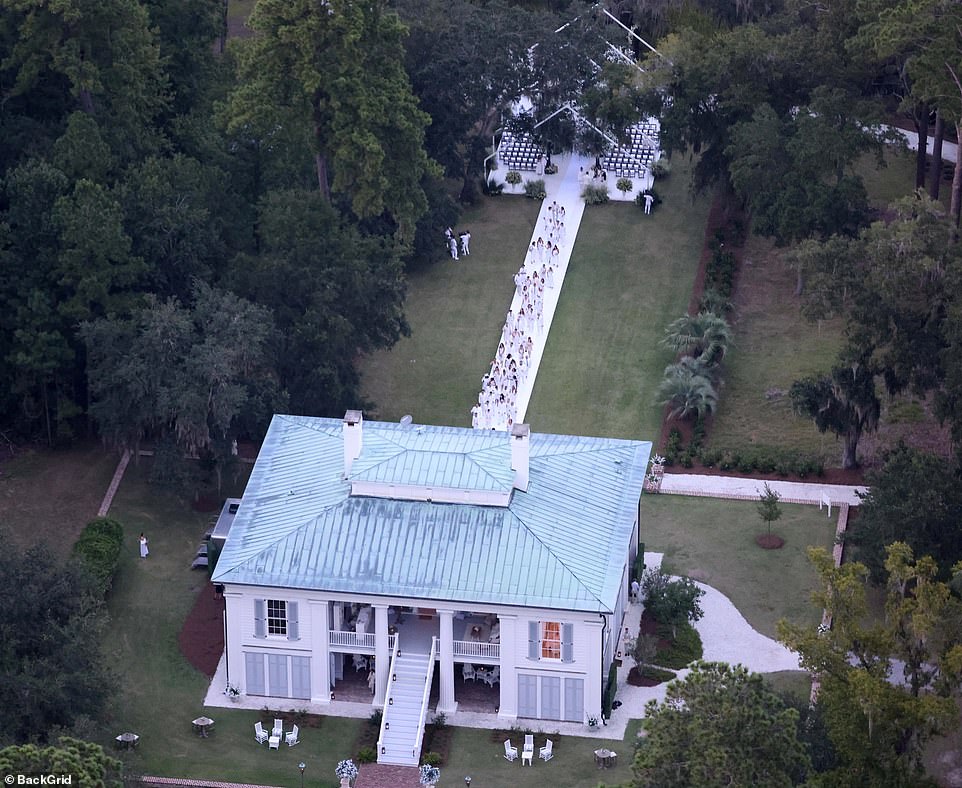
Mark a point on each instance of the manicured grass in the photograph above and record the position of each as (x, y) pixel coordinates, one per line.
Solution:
(712, 540)
(456, 311)
(630, 276)
(474, 754)
(49, 496)
(158, 692)
(774, 346)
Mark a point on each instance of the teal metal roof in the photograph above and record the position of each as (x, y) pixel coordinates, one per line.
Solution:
(561, 544)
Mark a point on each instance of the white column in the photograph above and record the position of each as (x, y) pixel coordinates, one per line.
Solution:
(237, 607)
(593, 650)
(509, 674)
(447, 703)
(382, 653)
(320, 653)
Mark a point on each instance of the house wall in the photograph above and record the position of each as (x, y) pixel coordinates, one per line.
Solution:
(280, 660)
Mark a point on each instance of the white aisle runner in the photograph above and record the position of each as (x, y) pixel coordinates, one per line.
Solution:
(564, 189)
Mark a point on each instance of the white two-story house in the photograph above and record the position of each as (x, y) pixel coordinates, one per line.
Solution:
(402, 551)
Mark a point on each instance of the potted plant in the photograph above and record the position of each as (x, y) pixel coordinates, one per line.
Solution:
(592, 722)
(513, 178)
(429, 774)
(232, 692)
(347, 772)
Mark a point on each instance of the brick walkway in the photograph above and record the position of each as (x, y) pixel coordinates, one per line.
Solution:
(377, 775)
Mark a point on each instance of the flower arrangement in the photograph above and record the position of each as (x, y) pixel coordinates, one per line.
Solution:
(346, 769)
(232, 691)
(430, 774)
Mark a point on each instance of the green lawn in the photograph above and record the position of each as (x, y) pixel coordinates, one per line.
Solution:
(49, 496)
(159, 693)
(456, 311)
(602, 362)
(774, 346)
(630, 276)
(474, 754)
(712, 540)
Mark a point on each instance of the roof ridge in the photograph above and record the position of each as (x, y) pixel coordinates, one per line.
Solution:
(560, 561)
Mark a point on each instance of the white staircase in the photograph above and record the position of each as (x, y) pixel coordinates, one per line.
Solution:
(405, 708)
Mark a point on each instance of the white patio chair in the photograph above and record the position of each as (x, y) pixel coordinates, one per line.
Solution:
(278, 728)
(259, 733)
(510, 753)
(469, 672)
(360, 663)
(492, 676)
(545, 753)
(527, 754)
(292, 737)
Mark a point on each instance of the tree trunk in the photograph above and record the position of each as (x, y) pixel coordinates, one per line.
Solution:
(957, 176)
(320, 163)
(937, 137)
(922, 126)
(849, 449)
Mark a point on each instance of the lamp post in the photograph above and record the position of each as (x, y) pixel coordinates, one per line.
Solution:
(302, 766)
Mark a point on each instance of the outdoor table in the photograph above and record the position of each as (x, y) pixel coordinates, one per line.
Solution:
(202, 724)
(127, 740)
(605, 758)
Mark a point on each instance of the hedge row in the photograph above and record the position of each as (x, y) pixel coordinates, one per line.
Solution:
(98, 549)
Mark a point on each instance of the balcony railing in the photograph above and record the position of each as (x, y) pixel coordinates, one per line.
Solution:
(470, 648)
(356, 640)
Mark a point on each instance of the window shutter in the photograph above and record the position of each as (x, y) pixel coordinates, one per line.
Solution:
(534, 640)
(567, 643)
(260, 618)
(292, 630)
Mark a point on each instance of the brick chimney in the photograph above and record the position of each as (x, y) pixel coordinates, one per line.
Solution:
(520, 451)
(353, 424)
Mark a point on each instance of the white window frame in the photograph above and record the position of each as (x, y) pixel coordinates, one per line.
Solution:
(277, 618)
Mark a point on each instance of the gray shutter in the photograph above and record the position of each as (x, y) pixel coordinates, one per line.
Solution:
(567, 643)
(292, 630)
(574, 700)
(550, 698)
(301, 677)
(260, 618)
(534, 640)
(254, 673)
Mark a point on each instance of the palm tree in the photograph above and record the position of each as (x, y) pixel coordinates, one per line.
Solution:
(705, 335)
(688, 388)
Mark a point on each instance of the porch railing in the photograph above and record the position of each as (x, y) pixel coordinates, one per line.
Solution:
(365, 640)
(422, 715)
(469, 648)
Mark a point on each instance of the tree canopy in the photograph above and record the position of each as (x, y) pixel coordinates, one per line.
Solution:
(886, 685)
(54, 673)
(720, 726)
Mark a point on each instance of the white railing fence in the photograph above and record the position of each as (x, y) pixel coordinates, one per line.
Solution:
(387, 693)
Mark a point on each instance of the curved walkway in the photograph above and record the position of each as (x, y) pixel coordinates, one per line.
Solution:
(726, 637)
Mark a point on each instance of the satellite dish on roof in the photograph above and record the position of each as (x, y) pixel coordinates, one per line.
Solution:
(407, 420)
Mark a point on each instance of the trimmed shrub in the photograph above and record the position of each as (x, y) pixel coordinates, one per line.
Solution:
(595, 195)
(98, 549)
(431, 759)
(366, 755)
(492, 188)
(661, 169)
(535, 190)
(624, 185)
(681, 651)
(609, 694)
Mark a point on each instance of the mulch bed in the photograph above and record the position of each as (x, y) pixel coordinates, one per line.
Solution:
(769, 541)
(201, 639)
